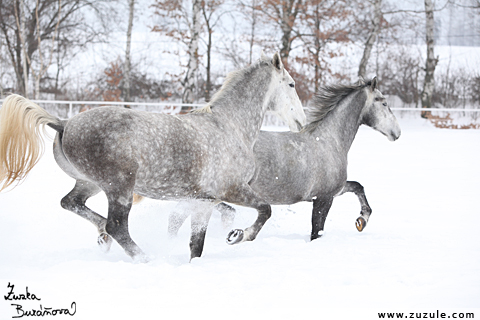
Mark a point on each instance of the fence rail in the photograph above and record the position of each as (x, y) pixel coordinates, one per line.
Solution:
(198, 105)
(75, 107)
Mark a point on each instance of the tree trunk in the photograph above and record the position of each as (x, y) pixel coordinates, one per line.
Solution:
(431, 63)
(192, 68)
(127, 51)
(208, 85)
(252, 34)
(317, 48)
(289, 14)
(37, 87)
(23, 35)
(377, 16)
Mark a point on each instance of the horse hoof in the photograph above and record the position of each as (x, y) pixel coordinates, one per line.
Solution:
(317, 235)
(360, 224)
(104, 242)
(141, 258)
(235, 236)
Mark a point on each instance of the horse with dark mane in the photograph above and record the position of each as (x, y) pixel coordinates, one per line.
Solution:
(311, 165)
(206, 155)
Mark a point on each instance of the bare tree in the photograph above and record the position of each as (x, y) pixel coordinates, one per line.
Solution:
(42, 22)
(372, 37)
(19, 9)
(42, 67)
(251, 15)
(208, 11)
(283, 13)
(192, 67)
(131, 10)
(431, 61)
(323, 22)
(181, 21)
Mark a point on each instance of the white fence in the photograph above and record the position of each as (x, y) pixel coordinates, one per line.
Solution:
(67, 109)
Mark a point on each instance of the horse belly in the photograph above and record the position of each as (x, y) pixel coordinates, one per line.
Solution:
(282, 183)
(169, 174)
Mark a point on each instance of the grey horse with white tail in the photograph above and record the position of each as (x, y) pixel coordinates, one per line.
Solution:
(311, 165)
(206, 155)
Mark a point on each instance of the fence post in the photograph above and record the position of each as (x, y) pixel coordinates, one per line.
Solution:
(70, 110)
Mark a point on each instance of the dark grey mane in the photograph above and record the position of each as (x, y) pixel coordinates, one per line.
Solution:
(328, 98)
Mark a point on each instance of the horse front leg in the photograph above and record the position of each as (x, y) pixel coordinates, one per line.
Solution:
(366, 211)
(244, 195)
(321, 207)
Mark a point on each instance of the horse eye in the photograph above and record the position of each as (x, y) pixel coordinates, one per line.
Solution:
(292, 85)
(378, 99)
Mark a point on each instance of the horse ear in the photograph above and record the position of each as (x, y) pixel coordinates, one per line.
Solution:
(277, 61)
(374, 84)
(263, 56)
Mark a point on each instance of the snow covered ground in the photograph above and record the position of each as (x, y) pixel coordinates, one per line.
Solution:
(419, 252)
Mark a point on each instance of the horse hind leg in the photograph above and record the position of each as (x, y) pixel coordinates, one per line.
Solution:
(75, 201)
(366, 210)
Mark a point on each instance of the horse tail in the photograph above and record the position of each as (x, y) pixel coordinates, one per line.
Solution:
(21, 141)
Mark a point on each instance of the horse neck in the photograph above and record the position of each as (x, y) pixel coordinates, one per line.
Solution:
(341, 124)
(243, 104)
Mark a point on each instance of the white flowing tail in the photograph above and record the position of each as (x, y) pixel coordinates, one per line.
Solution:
(21, 142)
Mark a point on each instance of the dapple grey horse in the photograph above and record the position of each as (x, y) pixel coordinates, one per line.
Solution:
(206, 155)
(311, 165)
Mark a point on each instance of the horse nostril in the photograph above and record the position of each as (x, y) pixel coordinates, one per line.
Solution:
(395, 135)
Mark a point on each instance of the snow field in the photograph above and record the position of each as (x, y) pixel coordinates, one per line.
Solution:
(419, 251)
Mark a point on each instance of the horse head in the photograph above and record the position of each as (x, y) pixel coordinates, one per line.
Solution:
(283, 98)
(377, 114)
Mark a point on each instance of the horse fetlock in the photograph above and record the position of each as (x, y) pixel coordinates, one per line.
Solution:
(316, 235)
(235, 236)
(104, 242)
(366, 211)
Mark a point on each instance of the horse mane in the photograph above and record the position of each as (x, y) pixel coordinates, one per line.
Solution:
(328, 98)
(232, 79)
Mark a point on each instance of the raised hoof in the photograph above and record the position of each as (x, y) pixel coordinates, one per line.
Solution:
(235, 236)
(360, 224)
(104, 242)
